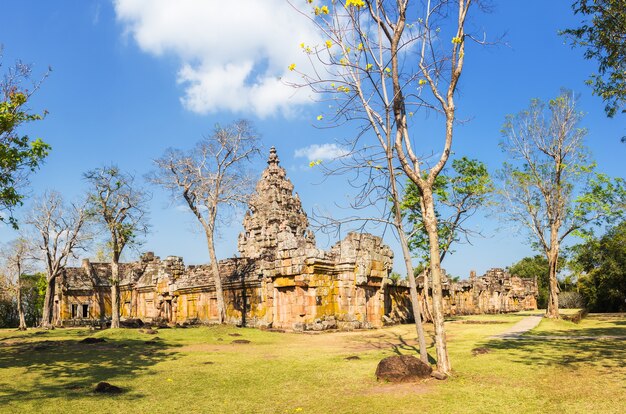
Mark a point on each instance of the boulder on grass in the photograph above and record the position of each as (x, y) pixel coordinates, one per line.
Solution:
(93, 340)
(402, 368)
(106, 388)
(131, 323)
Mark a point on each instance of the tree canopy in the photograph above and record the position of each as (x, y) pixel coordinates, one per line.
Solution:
(19, 154)
(214, 175)
(119, 206)
(603, 35)
(600, 264)
(549, 186)
(460, 192)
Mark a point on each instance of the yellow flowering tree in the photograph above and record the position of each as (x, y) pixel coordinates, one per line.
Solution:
(382, 66)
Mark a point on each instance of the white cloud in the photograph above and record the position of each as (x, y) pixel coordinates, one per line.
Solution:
(322, 152)
(234, 55)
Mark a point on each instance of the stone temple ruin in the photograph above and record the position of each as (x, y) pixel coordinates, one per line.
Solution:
(281, 279)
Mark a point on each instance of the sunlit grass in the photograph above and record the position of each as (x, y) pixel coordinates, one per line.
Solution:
(201, 370)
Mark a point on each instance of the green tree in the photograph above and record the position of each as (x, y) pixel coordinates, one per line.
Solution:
(34, 292)
(19, 155)
(119, 206)
(549, 186)
(536, 266)
(600, 264)
(603, 35)
(459, 194)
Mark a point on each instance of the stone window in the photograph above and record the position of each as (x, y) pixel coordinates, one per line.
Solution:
(85, 311)
(74, 311)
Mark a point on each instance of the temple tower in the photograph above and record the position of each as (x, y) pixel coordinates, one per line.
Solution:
(275, 220)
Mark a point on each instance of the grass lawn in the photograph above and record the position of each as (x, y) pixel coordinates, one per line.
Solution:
(201, 370)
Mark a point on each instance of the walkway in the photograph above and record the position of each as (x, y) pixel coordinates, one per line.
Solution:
(530, 322)
(523, 326)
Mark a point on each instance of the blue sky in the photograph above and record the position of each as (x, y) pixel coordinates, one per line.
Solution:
(134, 77)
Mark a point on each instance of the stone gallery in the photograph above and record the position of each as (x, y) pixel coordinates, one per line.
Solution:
(282, 280)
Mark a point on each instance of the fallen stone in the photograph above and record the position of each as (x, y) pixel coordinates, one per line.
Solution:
(240, 341)
(234, 334)
(317, 326)
(352, 357)
(106, 388)
(438, 375)
(329, 324)
(151, 332)
(132, 323)
(402, 368)
(92, 340)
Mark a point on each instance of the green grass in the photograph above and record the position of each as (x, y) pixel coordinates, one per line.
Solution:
(200, 370)
(591, 326)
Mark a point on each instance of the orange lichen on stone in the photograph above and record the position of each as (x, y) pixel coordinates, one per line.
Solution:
(281, 280)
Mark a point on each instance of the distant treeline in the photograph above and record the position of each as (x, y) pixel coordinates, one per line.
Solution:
(33, 291)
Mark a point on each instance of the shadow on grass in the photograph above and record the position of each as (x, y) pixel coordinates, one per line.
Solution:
(617, 328)
(70, 369)
(398, 344)
(568, 351)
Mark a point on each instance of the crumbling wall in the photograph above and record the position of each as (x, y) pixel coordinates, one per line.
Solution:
(497, 291)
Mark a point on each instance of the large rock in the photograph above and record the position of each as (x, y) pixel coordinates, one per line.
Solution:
(402, 368)
(106, 388)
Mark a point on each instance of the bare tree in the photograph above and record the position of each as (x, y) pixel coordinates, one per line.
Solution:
(58, 231)
(120, 207)
(549, 185)
(16, 260)
(213, 174)
(380, 69)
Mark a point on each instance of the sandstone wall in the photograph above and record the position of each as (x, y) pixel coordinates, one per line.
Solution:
(281, 280)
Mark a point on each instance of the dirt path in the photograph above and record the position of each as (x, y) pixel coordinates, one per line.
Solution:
(523, 326)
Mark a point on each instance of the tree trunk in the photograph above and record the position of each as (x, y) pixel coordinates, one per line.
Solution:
(46, 312)
(553, 284)
(20, 307)
(406, 253)
(430, 222)
(414, 299)
(115, 294)
(219, 293)
(428, 316)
